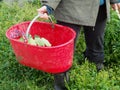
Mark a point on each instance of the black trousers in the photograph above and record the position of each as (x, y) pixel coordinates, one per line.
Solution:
(94, 39)
(94, 36)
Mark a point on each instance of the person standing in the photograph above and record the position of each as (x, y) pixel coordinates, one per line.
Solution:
(92, 15)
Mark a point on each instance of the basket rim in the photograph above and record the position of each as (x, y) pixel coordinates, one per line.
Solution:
(66, 43)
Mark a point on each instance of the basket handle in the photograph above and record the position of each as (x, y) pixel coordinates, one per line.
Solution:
(39, 14)
(118, 14)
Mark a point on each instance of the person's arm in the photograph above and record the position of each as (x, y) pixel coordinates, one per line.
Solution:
(48, 6)
(50, 10)
(52, 3)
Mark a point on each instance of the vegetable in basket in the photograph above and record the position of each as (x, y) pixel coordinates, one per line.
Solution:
(36, 41)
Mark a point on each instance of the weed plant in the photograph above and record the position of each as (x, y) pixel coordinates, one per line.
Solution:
(83, 75)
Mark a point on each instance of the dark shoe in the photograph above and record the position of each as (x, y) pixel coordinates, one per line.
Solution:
(99, 66)
(59, 83)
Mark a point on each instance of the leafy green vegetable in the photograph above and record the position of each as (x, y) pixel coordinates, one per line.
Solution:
(21, 39)
(31, 41)
(46, 42)
(36, 41)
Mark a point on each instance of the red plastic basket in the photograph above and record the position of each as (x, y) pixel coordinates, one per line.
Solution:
(55, 59)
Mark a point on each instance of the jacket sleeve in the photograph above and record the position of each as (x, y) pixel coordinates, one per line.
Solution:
(50, 10)
(114, 1)
(51, 3)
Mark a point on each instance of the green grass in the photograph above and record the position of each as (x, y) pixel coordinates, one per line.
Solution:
(83, 75)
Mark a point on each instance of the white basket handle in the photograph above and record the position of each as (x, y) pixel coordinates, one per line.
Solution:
(28, 29)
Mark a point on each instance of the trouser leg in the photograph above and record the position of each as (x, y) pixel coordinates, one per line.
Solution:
(59, 79)
(75, 27)
(94, 37)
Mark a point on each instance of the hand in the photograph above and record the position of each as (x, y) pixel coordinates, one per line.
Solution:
(43, 11)
(116, 7)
